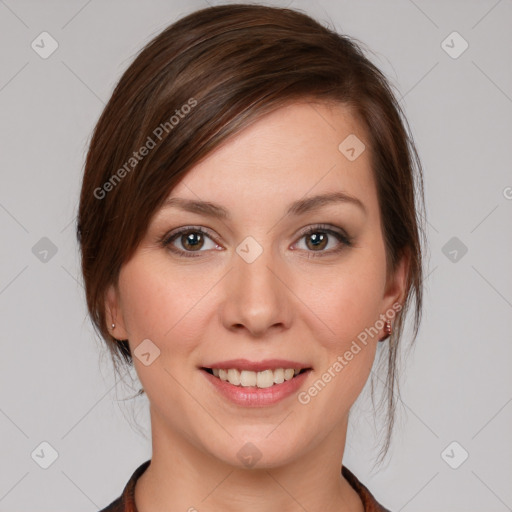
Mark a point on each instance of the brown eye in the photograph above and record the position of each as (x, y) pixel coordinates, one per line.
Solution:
(321, 241)
(189, 240)
(318, 240)
(192, 241)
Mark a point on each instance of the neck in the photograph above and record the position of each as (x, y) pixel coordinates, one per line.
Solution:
(181, 476)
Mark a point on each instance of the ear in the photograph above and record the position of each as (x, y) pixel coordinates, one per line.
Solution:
(114, 314)
(397, 283)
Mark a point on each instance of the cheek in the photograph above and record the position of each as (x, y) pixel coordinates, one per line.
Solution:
(161, 305)
(345, 335)
(346, 300)
(143, 302)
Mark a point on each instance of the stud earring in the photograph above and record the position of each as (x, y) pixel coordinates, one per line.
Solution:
(387, 330)
(113, 326)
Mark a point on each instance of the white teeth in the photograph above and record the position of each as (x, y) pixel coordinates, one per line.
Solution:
(278, 376)
(248, 378)
(263, 379)
(288, 373)
(234, 376)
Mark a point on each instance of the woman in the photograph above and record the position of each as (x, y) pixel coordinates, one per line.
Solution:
(249, 233)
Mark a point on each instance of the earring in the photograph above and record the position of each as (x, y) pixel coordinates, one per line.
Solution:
(387, 330)
(113, 326)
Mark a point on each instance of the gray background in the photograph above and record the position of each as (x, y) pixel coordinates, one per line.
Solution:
(57, 385)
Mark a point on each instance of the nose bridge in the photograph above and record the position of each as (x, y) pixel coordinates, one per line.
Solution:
(256, 297)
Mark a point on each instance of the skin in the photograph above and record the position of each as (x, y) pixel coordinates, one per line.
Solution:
(216, 306)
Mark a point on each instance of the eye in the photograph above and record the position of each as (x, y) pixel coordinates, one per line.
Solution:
(191, 239)
(318, 237)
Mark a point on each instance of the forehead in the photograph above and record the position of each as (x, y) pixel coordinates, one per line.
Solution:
(293, 152)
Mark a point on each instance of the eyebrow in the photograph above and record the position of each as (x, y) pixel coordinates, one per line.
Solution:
(306, 205)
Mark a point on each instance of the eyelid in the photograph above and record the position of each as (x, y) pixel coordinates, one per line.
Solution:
(328, 228)
(184, 229)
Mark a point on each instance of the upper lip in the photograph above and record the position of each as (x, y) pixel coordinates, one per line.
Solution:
(257, 366)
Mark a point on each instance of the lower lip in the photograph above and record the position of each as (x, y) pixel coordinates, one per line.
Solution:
(253, 396)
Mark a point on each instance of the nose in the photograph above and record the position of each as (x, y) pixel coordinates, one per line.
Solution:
(257, 298)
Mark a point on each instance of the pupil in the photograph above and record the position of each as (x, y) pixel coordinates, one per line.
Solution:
(193, 240)
(317, 239)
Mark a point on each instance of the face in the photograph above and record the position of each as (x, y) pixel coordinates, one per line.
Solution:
(280, 279)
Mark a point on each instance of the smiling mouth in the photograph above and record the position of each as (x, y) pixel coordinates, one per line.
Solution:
(263, 379)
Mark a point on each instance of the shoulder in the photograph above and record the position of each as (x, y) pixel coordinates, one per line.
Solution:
(126, 502)
(115, 506)
(369, 502)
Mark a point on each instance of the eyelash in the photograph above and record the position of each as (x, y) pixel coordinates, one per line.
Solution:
(319, 228)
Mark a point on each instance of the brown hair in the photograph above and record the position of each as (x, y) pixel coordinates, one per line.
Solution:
(203, 79)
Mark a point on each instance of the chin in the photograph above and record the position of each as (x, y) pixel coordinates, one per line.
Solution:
(257, 452)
